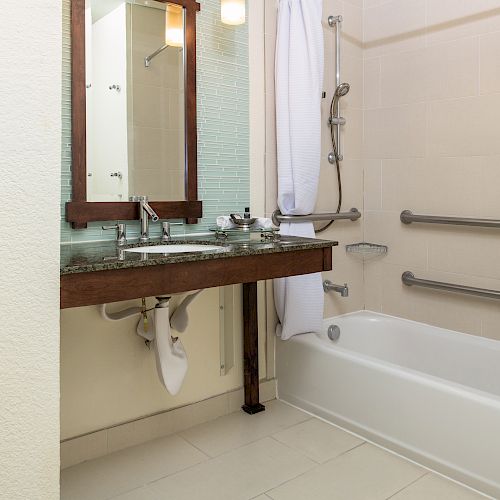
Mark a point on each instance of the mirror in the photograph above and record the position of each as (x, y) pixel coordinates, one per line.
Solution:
(133, 105)
(134, 62)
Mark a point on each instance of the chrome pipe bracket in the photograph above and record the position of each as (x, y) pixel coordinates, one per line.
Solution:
(333, 20)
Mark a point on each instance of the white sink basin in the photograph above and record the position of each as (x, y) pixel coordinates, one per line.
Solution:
(188, 248)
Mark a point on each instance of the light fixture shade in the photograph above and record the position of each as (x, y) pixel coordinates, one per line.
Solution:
(174, 25)
(232, 11)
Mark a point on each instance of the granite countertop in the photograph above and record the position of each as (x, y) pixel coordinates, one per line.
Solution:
(103, 256)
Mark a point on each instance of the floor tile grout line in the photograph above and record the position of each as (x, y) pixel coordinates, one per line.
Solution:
(148, 483)
(208, 457)
(241, 445)
(408, 485)
(309, 417)
(316, 465)
(319, 463)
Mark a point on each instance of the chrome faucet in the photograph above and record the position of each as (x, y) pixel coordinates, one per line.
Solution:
(342, 289)
(166, 235)
(145, 212)
(121, 233)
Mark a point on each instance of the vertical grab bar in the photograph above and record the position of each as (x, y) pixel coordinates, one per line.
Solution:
(337, 22)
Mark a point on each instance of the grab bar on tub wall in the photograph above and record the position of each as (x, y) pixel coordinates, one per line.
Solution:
(278, 217)
(407, 217)
(409, 279)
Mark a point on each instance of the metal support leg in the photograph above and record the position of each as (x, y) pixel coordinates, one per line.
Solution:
(251, 349)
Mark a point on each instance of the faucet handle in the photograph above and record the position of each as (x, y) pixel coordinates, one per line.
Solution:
(165, 231)
(121, 233)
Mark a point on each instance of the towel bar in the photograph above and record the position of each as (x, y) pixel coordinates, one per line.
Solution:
(278, 217)
(409, 279)
(407, 217)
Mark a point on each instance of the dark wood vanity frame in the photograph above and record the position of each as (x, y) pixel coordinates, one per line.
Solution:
(79, 211)
(100, 287)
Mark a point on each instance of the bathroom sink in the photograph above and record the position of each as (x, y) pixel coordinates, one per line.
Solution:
(182, 248)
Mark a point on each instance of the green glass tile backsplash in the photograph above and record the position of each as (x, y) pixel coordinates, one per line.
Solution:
(223, 124)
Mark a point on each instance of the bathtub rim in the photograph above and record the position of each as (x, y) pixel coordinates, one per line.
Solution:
(470, 337)
(318, 341)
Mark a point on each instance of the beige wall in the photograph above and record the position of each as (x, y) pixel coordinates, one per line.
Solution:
(108, 375)
(30, 135)
(346, 268)
(432, 145)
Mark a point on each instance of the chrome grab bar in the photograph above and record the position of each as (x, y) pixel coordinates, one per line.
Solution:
(409, 279)
(407, 217)
(278, 217)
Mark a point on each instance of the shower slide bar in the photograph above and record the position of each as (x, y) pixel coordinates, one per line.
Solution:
(278, 217)
(409, 279)
(407, 217)
(336, 21)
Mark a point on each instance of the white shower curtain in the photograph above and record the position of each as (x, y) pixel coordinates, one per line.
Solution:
(299, 84)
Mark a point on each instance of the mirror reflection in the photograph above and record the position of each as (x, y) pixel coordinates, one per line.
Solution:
(135, 100)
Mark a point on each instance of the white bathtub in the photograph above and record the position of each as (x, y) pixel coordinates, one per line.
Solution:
(431, 394)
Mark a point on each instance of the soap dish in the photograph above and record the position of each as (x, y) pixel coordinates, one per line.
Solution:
(366, 248)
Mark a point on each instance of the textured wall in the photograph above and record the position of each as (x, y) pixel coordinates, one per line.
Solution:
(223, 156)
(431, 143)
(30, 100)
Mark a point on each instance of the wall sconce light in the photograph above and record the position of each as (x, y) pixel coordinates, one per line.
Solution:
(174, 31)
(232, 11)
(174, 25)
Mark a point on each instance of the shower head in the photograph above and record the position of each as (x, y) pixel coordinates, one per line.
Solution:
(342, 90)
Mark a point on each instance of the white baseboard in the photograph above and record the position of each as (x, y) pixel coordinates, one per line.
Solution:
(103, 442)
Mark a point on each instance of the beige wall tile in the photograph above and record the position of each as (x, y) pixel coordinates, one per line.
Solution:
(487, 171)
(401, 184)
(371, 83)
(352, 134)
(447, 135)
(352, 26)
(407, 246)
(438, 72)
(469, 251)
(451, 19)
(394, 26)
(395, 132)
(448, 186)
(352, 72)
(358, 3)
(490, 63)
(372, 185)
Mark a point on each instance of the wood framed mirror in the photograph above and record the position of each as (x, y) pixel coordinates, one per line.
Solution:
(133, 100)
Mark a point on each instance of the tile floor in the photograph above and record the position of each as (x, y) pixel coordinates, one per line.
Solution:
(281, 454)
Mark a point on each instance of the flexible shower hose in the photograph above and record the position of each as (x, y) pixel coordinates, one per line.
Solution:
(333, 112)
